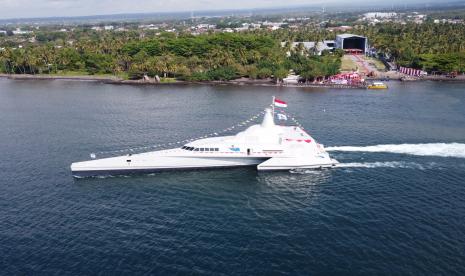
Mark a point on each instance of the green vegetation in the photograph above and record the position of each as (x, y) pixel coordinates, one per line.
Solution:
(348, 64)
(186, 57)
(428, 46)
(376, 63)
(442, 62)
(431, 47)
(456, 13)
(320, 66)
(256, 54)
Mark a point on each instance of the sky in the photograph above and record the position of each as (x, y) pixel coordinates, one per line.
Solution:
(53, 8)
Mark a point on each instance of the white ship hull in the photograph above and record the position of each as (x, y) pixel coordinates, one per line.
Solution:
(156, 162)
(149, 163)
(267, 146)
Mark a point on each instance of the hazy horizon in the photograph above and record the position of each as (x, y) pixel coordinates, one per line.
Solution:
(12, 9)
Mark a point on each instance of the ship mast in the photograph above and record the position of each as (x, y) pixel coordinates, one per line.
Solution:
(272, 107)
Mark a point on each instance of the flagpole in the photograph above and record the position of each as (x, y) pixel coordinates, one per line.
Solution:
(272, 107)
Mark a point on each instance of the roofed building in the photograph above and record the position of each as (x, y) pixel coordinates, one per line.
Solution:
(352, 43)
(316, 47)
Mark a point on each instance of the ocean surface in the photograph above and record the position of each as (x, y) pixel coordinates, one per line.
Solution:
(395, 206)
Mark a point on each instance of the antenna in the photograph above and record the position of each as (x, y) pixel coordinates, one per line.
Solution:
(272, 107)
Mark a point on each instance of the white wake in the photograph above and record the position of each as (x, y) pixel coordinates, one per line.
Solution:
(391, 164)
(433, 149)
(373, 165)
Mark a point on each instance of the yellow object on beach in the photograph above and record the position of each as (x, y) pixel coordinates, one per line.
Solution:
(377, 85)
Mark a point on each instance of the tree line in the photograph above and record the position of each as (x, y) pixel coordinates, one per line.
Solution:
(429, 46)
(212, 56)
(255, 54)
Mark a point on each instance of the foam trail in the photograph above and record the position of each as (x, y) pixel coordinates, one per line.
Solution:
(372, 165)
(392, 164)
(433, 149)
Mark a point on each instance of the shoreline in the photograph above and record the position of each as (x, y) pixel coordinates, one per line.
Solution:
(241, 82)
(119, 81)
(55, 77)
(396, 76)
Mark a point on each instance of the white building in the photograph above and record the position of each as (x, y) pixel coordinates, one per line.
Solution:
(449, 21)
(205, 26)
(313, 46)
(352, 42)
(149, 27)
(373, 15)
(18, 31)
(241, 29)
(291, 79)
(273, 26)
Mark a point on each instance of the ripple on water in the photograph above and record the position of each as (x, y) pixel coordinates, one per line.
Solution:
(385, 211)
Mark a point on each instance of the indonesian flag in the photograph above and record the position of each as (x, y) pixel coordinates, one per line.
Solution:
(280, 103)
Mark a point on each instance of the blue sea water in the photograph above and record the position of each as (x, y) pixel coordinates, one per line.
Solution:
(385, 212)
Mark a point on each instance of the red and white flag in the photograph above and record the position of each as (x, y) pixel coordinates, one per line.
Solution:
(280, 103)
